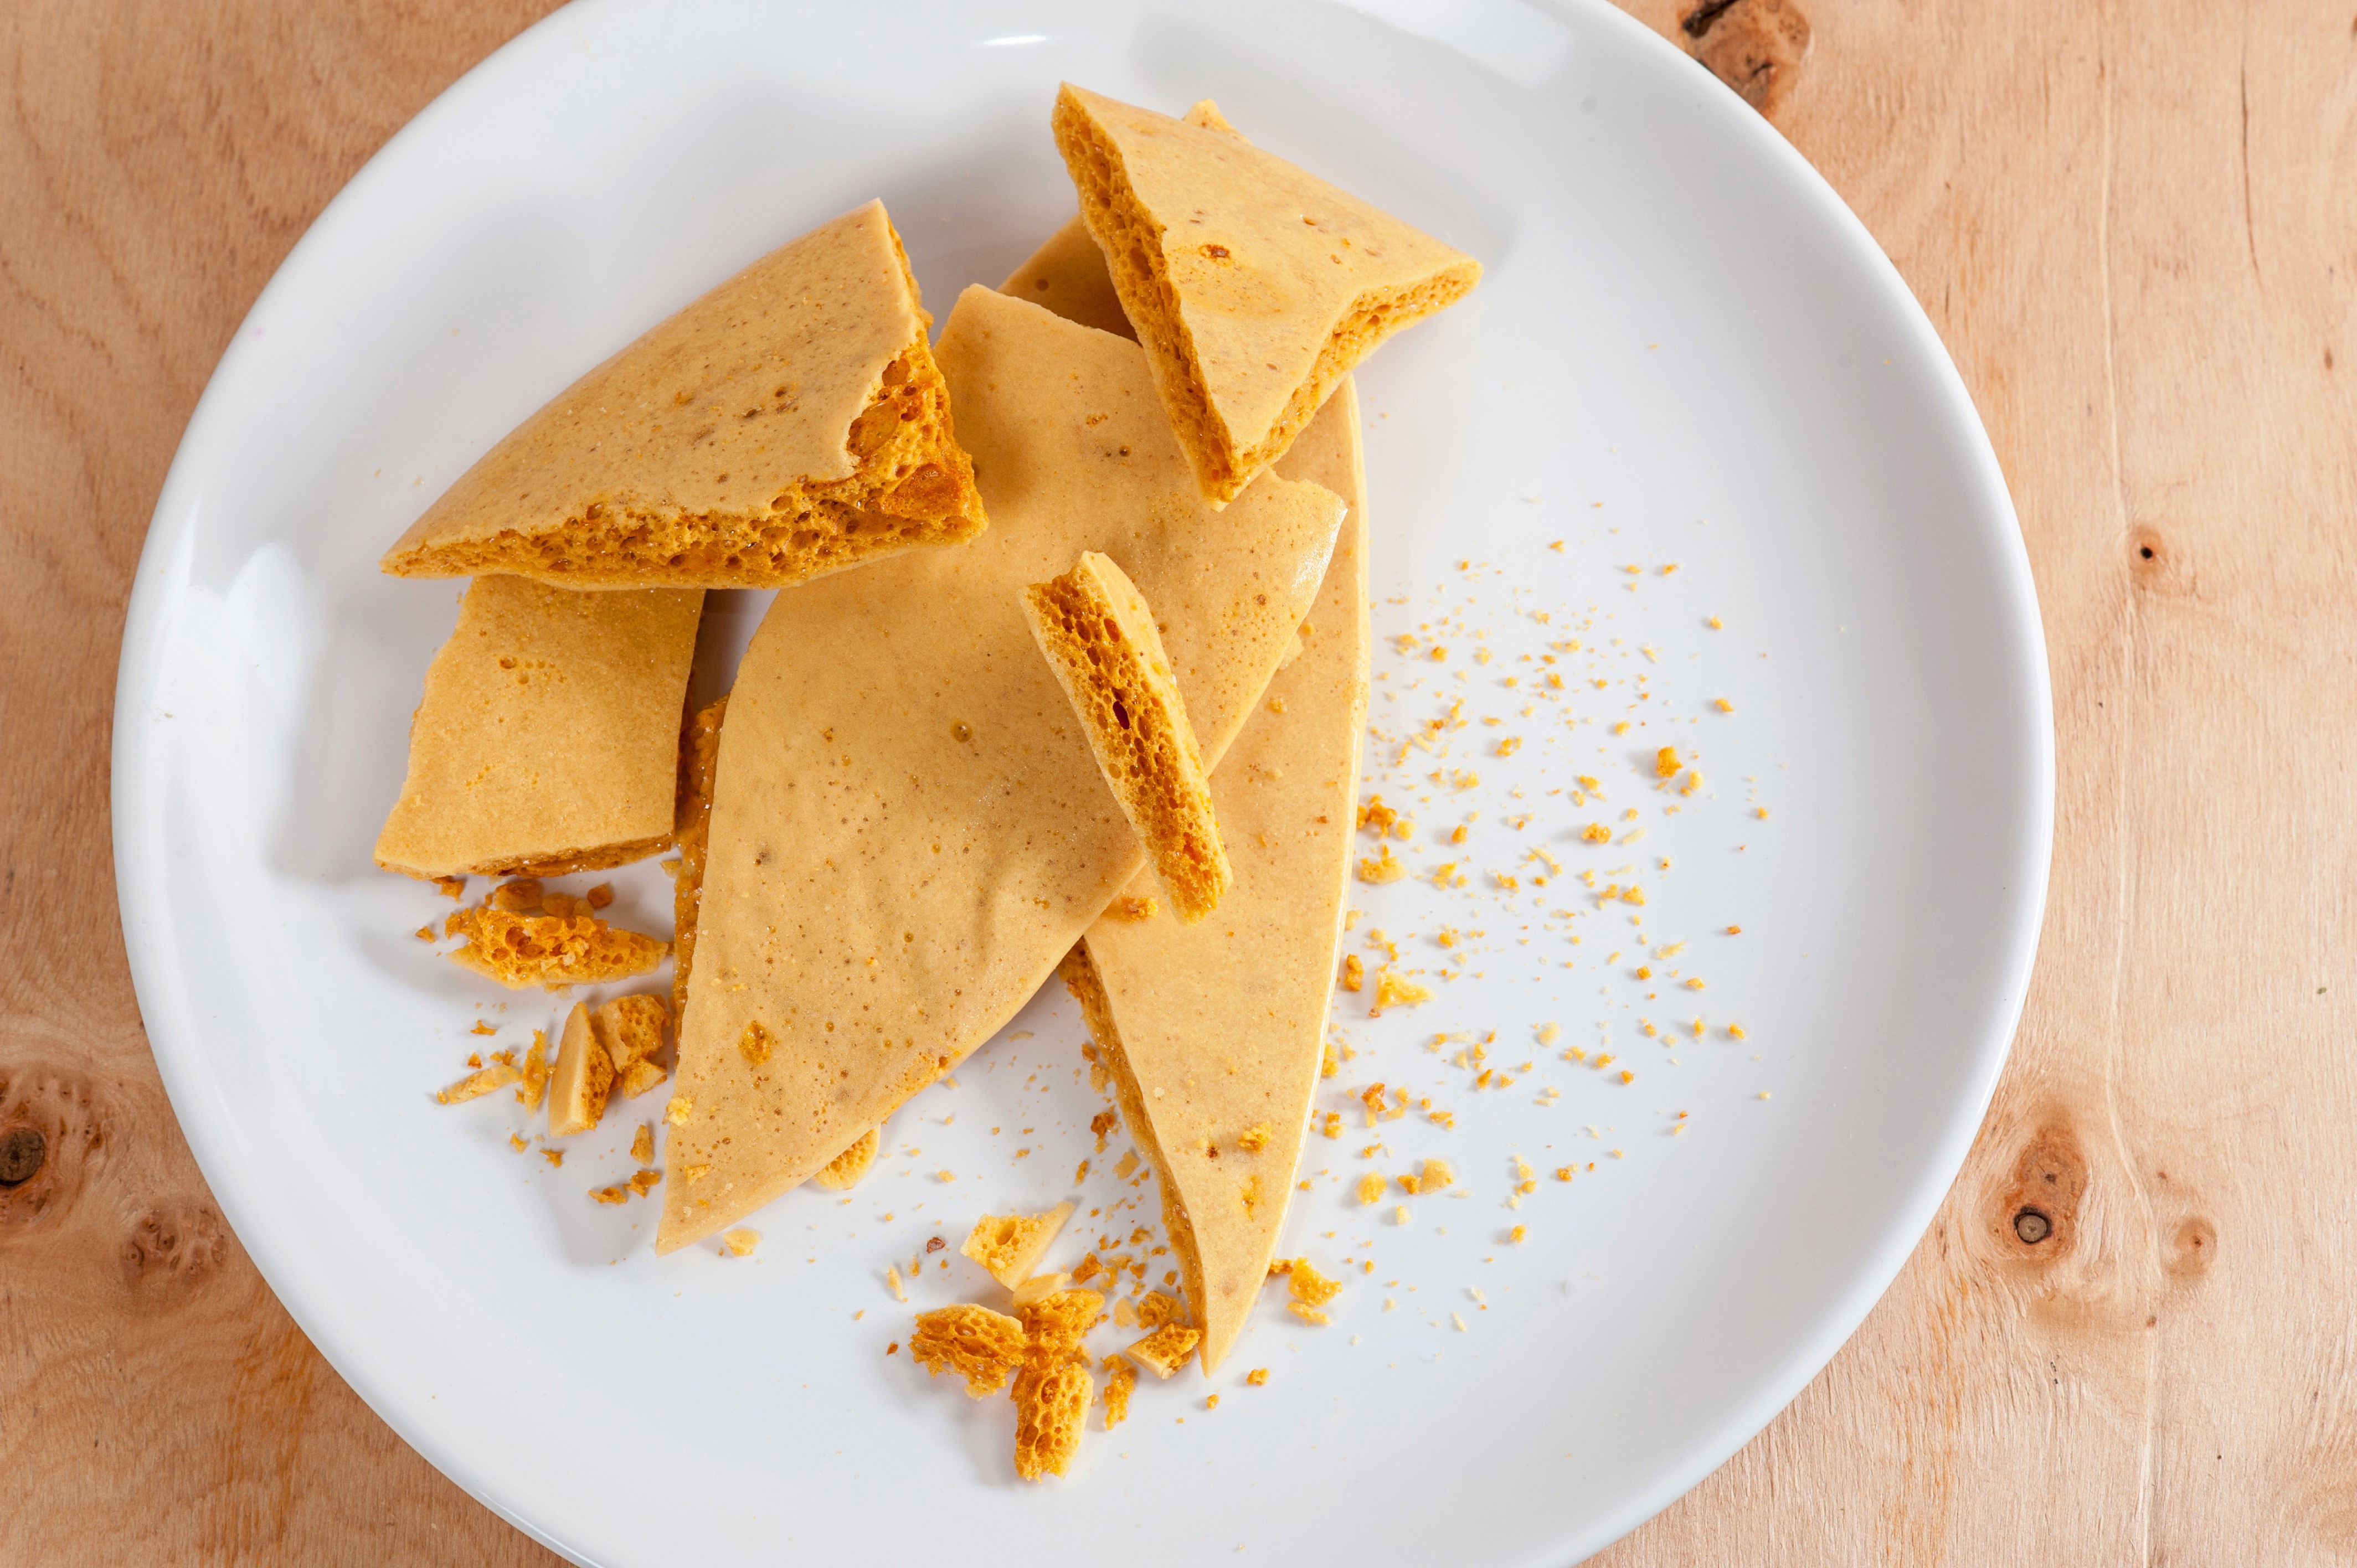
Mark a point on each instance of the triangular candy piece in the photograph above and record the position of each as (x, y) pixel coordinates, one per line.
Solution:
(789, 422)
(1168, 1002)
(548, 735)
(1214, 1032)
(1254, 285)
(908, 828)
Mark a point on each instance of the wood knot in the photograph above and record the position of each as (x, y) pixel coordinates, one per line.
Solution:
(1756, 47)
(2192, 1248)
(170, 1249)
(52, 1138)
(2154, 564)
(2037, 1213)
(23, 1152)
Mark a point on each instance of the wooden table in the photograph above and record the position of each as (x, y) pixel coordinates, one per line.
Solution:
(2136, 229)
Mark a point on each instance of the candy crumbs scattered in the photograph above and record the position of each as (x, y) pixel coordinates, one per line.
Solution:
(1010, 1246)
(1121, 1377)
(1393, 991)
(1157, 1308)
(1050, 1407)
(1053, 1389)
(1039, 1287)
(475, 1085)
(519, 950)
(1164, 1350)
(1308, 1286)
(534, 1083)
(638, 1077)
(974, 1341)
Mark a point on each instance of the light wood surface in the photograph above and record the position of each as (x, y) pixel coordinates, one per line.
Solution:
(2135, 227)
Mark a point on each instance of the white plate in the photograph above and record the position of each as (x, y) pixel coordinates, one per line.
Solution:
(1685, 350)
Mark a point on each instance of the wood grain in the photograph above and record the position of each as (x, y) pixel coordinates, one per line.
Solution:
(157, 162)
(2133, 228)
(2137, 229)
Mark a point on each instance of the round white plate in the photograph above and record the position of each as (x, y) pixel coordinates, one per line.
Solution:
(1685, 352)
